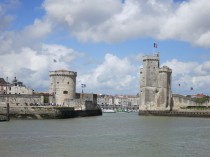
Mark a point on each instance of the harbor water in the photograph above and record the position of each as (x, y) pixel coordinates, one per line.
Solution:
(110, 135)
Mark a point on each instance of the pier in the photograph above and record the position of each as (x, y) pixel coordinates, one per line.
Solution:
(5, 116)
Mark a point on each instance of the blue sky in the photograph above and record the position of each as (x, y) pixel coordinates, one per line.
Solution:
(104, 42)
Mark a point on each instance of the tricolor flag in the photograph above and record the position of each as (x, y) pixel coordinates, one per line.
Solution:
(155, 45)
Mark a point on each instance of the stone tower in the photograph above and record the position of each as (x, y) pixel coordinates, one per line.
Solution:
(62, 85)
(155, 85)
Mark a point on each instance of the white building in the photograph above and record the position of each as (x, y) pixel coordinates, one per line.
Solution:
(17, 87)
(3, 86)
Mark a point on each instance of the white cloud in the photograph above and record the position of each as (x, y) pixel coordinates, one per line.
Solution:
(111, 21)
(32, 66)
(113, 75)
(91, 21)
(5, 18)
(38, 30)
(190, 74)
(163, 19)
(189, 23)
(181, 68)
(31, 36)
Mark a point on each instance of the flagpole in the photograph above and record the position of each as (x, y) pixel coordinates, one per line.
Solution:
(154, 48)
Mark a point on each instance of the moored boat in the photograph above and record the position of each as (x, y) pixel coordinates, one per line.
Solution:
(108, 111)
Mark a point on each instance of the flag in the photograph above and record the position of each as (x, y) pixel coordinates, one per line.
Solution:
(155, 45)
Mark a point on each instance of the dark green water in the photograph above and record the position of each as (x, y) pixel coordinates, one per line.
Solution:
(110, 135)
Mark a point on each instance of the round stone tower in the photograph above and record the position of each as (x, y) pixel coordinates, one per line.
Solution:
(62, 85)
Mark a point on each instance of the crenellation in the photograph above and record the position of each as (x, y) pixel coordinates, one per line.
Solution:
(62, 73)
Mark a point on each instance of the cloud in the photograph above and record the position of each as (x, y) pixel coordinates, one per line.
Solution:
(25, 53)
(189, 74)
(181, 68)
(161, 19)
(189, 23)
(38, 30)
(6, 19)
(33, 66)
(31, 36)
(113, 75)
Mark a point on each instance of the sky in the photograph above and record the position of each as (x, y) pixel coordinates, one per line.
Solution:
(104, 41)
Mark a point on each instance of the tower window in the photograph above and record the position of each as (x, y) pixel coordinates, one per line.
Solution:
(65, 92)
(67, 82)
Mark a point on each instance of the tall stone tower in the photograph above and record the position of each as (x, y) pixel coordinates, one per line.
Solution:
(62, 85)
(155, 85)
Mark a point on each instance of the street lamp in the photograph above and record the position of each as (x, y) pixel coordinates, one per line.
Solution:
(83, 86)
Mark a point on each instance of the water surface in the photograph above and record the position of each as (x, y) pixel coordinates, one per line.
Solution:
(110, 135)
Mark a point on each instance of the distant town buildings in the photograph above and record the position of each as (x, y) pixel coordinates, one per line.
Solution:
(3, 86)
(16, 87)
(122, 102)
(198, 96)
(17, 94)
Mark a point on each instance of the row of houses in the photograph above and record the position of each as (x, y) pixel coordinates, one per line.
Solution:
(118, 101)
(15, 87)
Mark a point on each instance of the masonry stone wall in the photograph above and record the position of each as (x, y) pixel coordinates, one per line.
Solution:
(38, 112)
(83, 102)
(21, 99)
(180, 102)
(155, 85)
(156, 96)
(62, 85)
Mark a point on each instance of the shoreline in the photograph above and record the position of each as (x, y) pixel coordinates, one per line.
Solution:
(39, 112)
(185, 113)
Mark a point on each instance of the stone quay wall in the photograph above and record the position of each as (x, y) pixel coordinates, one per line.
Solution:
(180, 108)
(33, 112)
(183, 113)
(180, 101)
(46, 112)
(21, 99)
(80, 104)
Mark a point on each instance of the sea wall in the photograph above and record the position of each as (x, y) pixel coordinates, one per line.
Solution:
(184, 113)
(81, 104)
(46, 112)
(182, 106)
(21, 99)
(180, 102)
